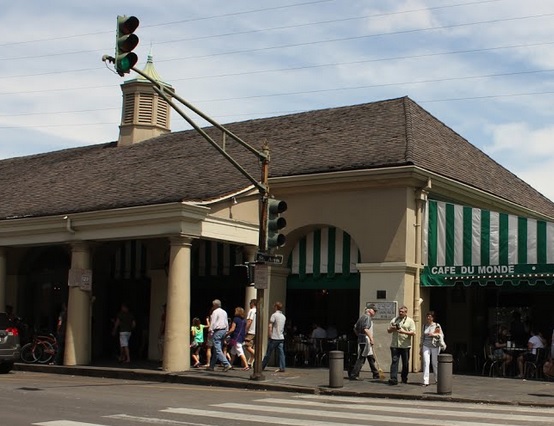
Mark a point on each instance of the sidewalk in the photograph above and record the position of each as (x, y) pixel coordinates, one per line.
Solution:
(475, 389)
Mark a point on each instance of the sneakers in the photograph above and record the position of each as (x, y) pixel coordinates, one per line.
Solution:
(227, 368)
(356, 378)
(279, 371)
(393, 382)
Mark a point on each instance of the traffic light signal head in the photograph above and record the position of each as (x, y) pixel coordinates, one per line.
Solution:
(275, 223)
(125, 42)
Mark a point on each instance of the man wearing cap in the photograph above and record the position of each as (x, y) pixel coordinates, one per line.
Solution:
(364, 330)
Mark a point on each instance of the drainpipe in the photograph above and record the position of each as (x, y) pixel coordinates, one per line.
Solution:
(421, 200)
(68, 225)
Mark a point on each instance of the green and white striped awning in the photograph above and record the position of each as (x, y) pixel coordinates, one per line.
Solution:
(470, 245)
(324, 258)
(211, 258)
(129, 261)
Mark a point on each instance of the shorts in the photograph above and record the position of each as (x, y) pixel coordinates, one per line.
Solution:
(124, 337)
(209, 342)
(249, 340)
(237, 349)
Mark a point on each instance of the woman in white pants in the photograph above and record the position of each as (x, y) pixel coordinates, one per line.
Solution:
(431, 341)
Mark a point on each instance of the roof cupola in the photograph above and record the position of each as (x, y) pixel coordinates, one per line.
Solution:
(144, 114)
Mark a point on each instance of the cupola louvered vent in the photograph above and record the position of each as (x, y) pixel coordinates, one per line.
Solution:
(146, 108)
(128, 108)
(163, 113)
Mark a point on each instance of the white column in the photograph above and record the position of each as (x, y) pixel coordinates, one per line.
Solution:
(177, 323)
(78, 331)
(396, 279)
(3, 278)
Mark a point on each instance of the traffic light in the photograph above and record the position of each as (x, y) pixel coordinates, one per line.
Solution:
(244, 273)
(125, 42)
(275, 223)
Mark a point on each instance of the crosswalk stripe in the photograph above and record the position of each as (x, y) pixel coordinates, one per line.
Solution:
(261, 419)
(443, 404)
(416, 409)
(153, 420)
(280, 411)
(66, 423)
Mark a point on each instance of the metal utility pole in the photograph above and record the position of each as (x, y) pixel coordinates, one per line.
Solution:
(263, 189)
(257, 374)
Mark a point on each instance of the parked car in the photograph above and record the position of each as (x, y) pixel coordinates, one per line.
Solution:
(9, 343)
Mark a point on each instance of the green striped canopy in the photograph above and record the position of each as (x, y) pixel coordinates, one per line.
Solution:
(470, 245)
(324, 258)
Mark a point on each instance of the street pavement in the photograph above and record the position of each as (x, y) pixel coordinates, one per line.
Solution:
(465, 388)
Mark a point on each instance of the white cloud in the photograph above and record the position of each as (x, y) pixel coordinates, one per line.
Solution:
(521, 141)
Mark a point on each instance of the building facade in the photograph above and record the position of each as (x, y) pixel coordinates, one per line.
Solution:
(161, 217)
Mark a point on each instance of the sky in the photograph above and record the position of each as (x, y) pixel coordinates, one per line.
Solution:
(484, 68)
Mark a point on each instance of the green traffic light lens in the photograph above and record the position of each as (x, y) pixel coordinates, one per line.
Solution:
(126, 62)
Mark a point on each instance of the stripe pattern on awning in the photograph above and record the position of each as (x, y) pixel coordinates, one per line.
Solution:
(463, 243)
(129, 261)
(327, 251)
(212, 258)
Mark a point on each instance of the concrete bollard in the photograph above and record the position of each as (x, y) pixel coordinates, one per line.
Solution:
(336, 369)
(444, 379)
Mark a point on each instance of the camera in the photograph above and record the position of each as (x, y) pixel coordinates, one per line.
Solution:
(397, 326)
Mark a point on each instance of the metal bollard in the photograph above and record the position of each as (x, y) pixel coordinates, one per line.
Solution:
(336, 369)
(444, 379)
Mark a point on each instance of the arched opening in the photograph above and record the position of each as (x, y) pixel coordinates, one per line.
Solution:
(324, 285)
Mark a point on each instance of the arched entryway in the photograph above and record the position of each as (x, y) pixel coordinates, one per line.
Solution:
(324, 284)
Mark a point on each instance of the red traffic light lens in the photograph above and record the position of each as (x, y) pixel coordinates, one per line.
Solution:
(127, 25)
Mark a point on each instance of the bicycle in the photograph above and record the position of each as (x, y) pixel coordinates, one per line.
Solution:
(41, 349)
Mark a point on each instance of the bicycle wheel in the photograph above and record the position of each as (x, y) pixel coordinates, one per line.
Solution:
(47, 352)
(29, 352)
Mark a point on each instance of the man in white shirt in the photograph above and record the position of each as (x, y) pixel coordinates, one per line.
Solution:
(251, 331)
(219, 324)
(535, 342)
(276, 337)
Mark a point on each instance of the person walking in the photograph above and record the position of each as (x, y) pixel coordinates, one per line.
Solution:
(364, 330)
(60, 334)
(219, 324)
(402, 329)
(125, 322)
(276, 337)
(431, 340)
(249, 340)
(197, 333)
(236, 332)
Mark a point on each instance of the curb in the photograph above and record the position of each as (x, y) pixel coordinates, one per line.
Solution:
(231, 382)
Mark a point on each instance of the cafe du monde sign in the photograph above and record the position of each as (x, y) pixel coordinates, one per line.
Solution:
(436, 276)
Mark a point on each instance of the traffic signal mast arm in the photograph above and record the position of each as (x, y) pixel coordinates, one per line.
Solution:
(262, 156)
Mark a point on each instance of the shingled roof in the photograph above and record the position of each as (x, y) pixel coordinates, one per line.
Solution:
(181, 166)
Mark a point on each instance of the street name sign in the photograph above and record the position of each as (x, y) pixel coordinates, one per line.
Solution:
(270, 258)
